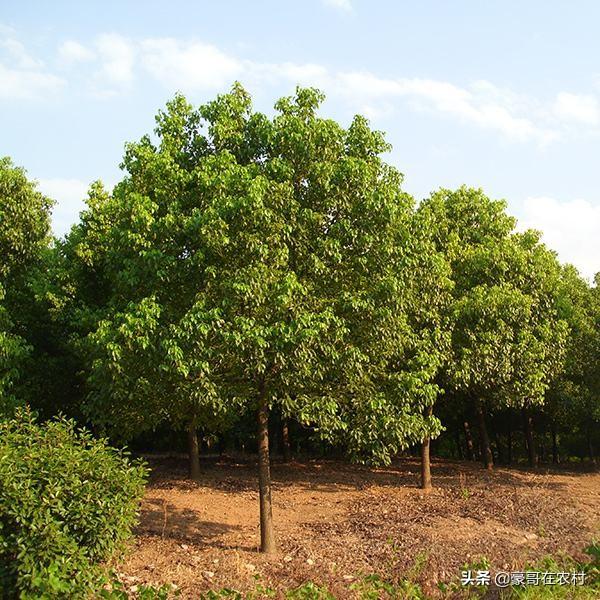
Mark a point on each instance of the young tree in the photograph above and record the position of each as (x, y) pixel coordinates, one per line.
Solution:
(507, 337)
(540, 352)
(430, 311)
(254, 263)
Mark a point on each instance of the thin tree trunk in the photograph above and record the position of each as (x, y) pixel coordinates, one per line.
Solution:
(425, 458)
(590, 446)
(267, 533)
(285, 436)
(425, 465)
(509, 442)
(486, 450)
(193, 451)
(555, 457)
(459, 451)
(469, 439)
(530, 442)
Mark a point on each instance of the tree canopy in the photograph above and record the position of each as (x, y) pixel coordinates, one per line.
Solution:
(24, 236)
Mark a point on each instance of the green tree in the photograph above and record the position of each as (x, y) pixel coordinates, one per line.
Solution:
(24, 237)
(573, 403)
(253, 263)
(507, 337)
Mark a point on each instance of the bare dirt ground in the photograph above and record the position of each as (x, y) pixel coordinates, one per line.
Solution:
(336, 522)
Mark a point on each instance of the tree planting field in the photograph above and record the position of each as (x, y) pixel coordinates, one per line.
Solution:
(338, 523)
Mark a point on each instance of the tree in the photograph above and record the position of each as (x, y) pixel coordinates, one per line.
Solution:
(540, 353)
(507, 337)
(24, 236)
(572, 403)
(254, 263)
(430, 311)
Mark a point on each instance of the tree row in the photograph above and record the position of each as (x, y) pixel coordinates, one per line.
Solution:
(250, 266)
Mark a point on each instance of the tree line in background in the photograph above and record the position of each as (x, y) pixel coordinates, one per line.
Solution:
(257, 279)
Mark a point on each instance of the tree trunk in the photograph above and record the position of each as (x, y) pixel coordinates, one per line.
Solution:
(267, 533)
(425, 465)
(425, 462)
(509, 442)
(486, 450)
(193, 451)
(528, 426)
(555, 457)
(459, 450)
(469, 439)
(590, 446)
(285, 436)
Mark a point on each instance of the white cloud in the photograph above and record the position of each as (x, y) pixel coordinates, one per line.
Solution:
(176, 64)
(74, 52)
(21, 75)
(26, 84)
(117, 56)
(308, 74)
(339, 4)
(577, 107)
(20, 58)
(572, 228)
(481, 103)
(112, 59)
(189, 66)
(70, 196)
(195, 66)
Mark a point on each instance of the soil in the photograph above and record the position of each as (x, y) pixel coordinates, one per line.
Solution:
(337, 522)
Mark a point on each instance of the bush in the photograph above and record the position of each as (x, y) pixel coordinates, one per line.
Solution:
(68, 503)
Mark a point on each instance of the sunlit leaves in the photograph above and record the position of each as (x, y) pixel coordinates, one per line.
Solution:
(245, 252)
(24, 235)
(508, 335)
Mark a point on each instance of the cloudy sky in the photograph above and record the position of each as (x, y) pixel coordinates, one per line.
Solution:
(499, 95)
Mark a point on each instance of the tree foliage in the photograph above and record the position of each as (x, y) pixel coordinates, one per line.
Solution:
(245, 254)
(508, 337)
(24, 237)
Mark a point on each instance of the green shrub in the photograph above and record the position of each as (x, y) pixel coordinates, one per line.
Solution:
(67, 504)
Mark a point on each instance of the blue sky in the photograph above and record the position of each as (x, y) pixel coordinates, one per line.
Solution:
(499, 95)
